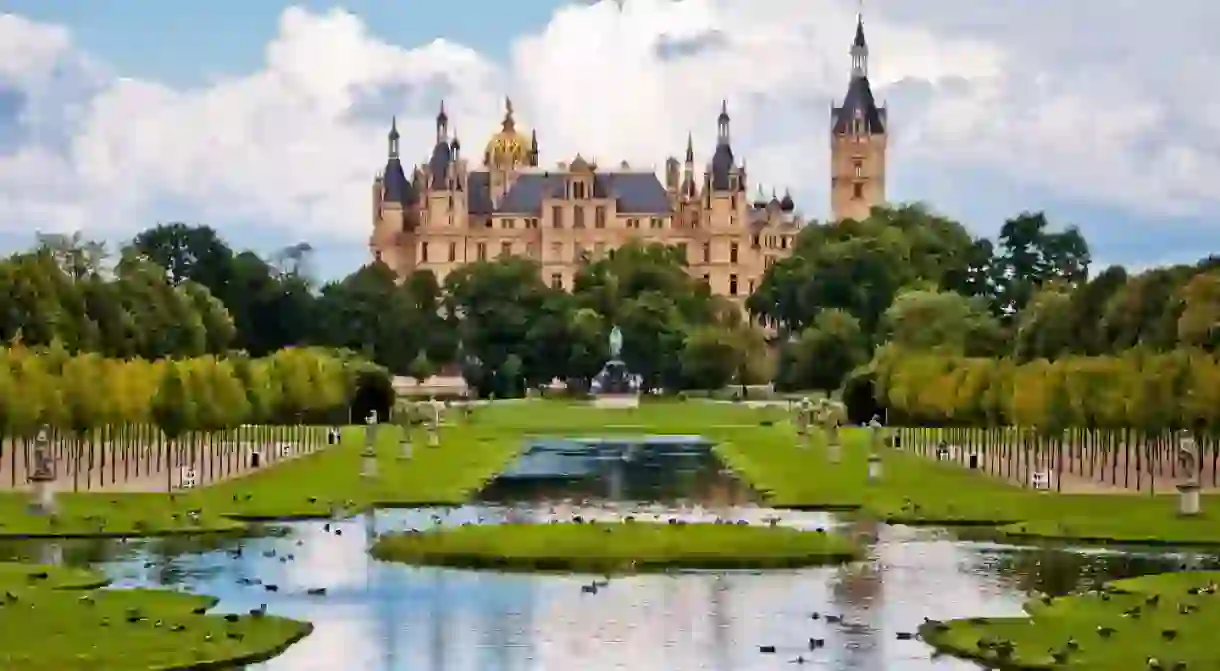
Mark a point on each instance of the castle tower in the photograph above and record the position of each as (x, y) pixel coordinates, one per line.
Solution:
(858, 133)
(394, 199)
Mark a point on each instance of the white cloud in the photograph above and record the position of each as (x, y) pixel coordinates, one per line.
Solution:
(996, 89)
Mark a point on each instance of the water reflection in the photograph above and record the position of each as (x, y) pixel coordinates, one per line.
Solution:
(384, 617)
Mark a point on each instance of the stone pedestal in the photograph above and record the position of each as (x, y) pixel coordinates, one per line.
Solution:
(613, 387)
(1188, 500)
(405, 449)
(42, 479)
(368, 457)
(616, 401)
(434, 438)
(835, 452)
(44, 496)
(874, 467)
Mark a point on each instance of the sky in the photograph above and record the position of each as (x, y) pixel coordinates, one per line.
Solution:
(267, 120)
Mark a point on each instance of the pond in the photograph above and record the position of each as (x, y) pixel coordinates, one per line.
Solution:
(385, 617)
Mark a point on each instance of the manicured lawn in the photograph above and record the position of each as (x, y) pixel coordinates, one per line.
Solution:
(653, 416)
(1170, 618)
(316, 485)
(759, 443)
(616, 547)
(55, 623)
(916, 490)
(108, 515)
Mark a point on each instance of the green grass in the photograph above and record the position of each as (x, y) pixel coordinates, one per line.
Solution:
(57, 623)
(918, 490)
(1099, 630)
(693, 417)
(316, 485)
(759, 443)
(616, 547)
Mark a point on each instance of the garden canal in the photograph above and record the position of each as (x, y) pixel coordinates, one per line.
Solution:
(386, 617)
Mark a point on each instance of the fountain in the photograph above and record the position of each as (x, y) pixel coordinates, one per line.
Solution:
(615, 386)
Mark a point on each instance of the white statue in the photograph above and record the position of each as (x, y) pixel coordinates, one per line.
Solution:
(616, 342)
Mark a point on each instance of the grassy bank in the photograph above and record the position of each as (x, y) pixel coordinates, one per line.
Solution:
(316, 485)
(50, 620)
(616, 547)
(1169, 618)
(693, 417)
(917, 490)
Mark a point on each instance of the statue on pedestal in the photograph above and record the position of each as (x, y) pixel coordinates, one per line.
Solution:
(831, 415)
(614, 377)
(876, 434)
(43, 477)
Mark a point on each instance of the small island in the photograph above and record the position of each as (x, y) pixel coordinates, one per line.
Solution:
(53, 618)
(1160, 622)
(616, 547)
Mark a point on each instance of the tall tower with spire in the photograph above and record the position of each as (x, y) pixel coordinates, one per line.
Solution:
(858, 136)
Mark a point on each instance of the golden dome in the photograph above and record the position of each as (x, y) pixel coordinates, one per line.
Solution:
(509, 147)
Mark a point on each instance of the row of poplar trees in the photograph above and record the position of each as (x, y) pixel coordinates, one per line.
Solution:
(1141, 403)
(87, 397)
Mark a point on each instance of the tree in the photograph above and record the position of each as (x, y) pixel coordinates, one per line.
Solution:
(711, 356)
(1199, 322)
(822, 356)
(1044, 326)
(1031, 256)
(860, 266)
(368, 312)
(185, 252)
(943, 321)
(421, 368)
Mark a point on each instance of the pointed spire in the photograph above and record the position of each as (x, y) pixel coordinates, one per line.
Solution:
(859, 47)
(442, 117)
(393, 138)
(722, 124)
(509, 123)
(690, 148)
(860, 41)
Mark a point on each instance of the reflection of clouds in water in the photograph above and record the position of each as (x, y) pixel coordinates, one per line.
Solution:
(325, 559)
(386, 617)
(345, 636)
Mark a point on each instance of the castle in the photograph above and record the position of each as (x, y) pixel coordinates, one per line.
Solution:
(448, 213)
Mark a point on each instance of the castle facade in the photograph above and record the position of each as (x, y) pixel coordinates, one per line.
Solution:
(447, 212)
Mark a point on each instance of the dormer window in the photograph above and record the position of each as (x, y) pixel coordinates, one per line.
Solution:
(859, 168)
(578, 190)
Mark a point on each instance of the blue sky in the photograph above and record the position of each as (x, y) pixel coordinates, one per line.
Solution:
(266, 119)
(187, 43)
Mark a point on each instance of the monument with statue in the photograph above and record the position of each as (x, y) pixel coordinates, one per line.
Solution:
(615, 386)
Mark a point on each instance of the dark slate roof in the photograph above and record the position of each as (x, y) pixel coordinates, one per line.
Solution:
(722, 165)
(859, 98)
(633, 192)
(397, 187)
(438, 165)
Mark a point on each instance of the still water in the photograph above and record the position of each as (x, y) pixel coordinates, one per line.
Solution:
(384, 617)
